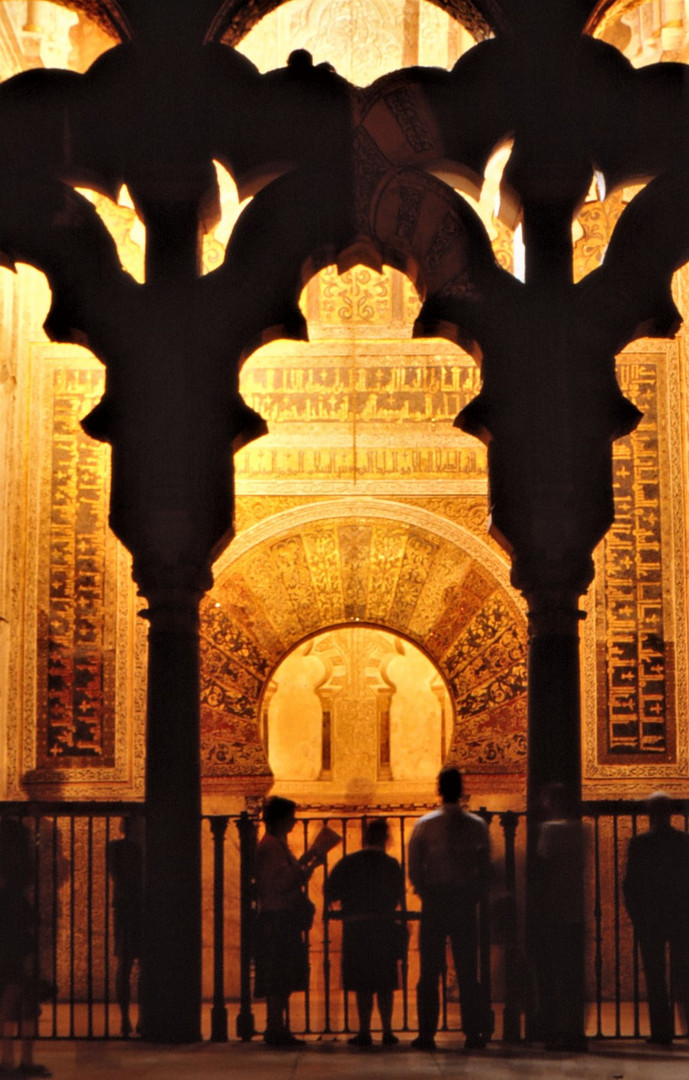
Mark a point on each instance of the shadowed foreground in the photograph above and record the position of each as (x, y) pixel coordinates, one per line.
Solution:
(337, 1061)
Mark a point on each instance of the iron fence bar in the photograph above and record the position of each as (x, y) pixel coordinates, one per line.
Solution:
(72, 923)
(54, 918)
(405, 916)
(246, 1028)
(345, 996)
(616, 910)
(36, 885)
(22, 931)
(327, 1029)
(106, 932)
(218, 825)
(307, 992)
(89, 926)
(484, 941)
(444, 997)
(511, 1017)
(598, 922)
(635, 964)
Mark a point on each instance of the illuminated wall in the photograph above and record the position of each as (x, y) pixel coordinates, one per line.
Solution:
(363, 504)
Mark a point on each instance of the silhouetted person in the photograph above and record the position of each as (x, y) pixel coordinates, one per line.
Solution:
(656, 892)
(19, 981)
(559, 931)
(369, 886)
(449, 863)
(125, 864)
(281, 950)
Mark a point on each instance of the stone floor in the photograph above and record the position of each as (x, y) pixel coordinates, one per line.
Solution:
(335, 1060)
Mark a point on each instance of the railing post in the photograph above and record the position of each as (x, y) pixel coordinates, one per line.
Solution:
(219, 1010)
(635, 969)
(326, 952)
(484, 943)
(247, 844)
(511, 1019)
(617, 888)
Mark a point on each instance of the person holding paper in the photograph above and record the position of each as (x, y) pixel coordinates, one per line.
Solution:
(281, 950)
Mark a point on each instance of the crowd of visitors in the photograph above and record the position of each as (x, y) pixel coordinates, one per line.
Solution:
(449, 868)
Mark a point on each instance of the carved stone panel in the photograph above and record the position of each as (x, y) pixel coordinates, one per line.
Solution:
(78, 661)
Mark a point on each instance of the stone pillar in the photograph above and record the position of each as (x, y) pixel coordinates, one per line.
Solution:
(553, 698)
(171, 961)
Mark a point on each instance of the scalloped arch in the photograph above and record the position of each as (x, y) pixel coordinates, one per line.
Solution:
(378, 563)
(481, 18)
(234, 18)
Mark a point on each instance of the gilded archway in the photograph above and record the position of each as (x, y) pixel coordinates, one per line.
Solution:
(378, 563)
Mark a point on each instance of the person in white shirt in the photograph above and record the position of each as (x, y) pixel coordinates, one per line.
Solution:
(449, 866)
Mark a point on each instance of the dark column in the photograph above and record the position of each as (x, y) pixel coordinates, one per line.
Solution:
(553, 501)
(171, 962)
(553, 700)
(554, 734)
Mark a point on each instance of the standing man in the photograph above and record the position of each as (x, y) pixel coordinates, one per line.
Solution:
(656, 892)
(125, 863)
(369, 885)
(449, 866)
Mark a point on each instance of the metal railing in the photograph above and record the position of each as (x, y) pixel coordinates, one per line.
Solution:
(616, 989)
(325, 1009)
(71, 894)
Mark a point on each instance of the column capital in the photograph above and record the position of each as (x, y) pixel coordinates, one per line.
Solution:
(554, 612)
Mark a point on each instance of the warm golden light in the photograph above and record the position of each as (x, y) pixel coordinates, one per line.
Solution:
(129, 233)
(353, 708)
(123, 224)
(362, 39)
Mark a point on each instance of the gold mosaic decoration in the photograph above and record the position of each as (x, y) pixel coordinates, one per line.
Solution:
(83, 656)
(637, 661)
(641, 593)
(75, 711)
(379, 572)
